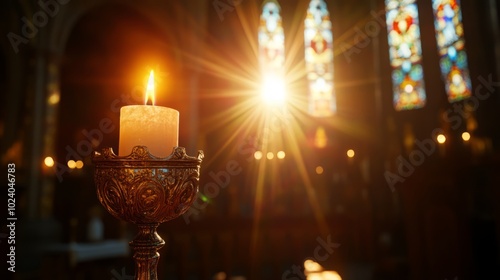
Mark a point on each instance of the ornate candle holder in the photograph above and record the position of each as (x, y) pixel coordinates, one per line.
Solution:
(146, 190)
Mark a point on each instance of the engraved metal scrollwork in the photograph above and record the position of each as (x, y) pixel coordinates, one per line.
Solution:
(146, 190)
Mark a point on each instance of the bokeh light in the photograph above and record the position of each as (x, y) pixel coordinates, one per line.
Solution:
(319, 170)
(441, 138)
(350, 153)
(48, 161)
(54, 98)
(270, 155)
(466, 136)
(79, 164)
(280, 155)
(312, 266)
(257, 155)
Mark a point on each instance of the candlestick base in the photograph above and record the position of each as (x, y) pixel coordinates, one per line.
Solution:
(146, 190)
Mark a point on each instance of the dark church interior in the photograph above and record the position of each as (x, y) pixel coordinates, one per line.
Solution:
(368, 192)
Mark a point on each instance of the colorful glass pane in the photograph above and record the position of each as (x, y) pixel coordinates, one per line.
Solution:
(318, 40)
(271, 43)
(405, 53)
(451, 47)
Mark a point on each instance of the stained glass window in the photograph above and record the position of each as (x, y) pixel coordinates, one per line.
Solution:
(318, 40)
(272, 50)
(405, 53)
(451, 47)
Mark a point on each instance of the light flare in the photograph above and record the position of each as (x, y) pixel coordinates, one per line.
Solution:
(238, 69)
(273, 91)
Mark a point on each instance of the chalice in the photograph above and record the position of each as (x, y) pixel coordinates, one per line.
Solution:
(146, 190)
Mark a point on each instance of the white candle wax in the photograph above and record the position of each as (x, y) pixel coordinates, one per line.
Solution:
(155, 127)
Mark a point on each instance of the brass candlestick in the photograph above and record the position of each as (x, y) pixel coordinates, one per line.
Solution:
(146, 190)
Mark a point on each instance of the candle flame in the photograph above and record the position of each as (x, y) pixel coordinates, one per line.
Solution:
(150, 89)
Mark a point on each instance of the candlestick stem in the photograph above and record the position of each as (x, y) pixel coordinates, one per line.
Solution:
(146, 245)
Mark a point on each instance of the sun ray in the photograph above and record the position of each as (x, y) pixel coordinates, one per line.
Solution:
(249, 27)
(348, 37)
(258, 202)
(224, 117)
(293, 136)
(294, 42)
(238, 75)
(242, 123)
(220, 67)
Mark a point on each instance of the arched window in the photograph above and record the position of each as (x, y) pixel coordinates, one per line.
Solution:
(272, 52)
(318, 40)
(451, 47)
(405, 53)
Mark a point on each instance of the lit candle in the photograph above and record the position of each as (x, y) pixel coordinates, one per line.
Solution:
(155, 127)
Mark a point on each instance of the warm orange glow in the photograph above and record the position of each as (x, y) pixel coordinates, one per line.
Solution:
(150, 89)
